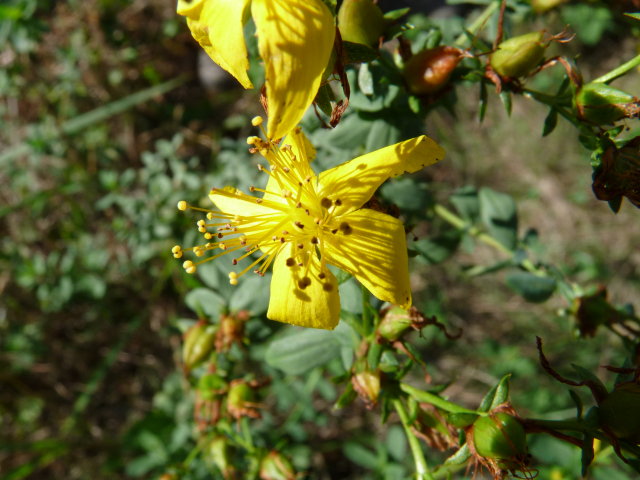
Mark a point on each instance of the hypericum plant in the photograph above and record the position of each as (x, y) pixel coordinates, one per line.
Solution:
(311, 216)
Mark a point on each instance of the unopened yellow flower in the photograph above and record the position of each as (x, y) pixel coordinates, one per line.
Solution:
(303, 222)
(295, 39)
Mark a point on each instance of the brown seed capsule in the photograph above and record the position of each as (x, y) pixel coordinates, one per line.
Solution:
(429, 71)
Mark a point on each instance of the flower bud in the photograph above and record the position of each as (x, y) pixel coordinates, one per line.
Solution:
(428, 71)
(361, 21)
(601, 104)
(367, 385)
(275, 466)
(231, 330)
(217, 452)
(198, 344)
(394, 323)
(241, 400)
(541, 6)
(518, 56)
(500, 437)
(619, 412)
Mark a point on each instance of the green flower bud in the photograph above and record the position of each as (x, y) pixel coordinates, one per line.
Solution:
(541, 6)
(367, 384)
(518, 56)
(275, 466)
(394, 323)
(619, 412)
(361, 21)
(601, 104)
(241, 400)
(500, 437)
(428, 71)
(198, 344)
(218, 452)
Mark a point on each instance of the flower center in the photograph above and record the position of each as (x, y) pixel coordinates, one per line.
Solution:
(290, 218)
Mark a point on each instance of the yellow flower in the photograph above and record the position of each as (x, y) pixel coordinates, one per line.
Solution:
(295, 39)
(303, 222)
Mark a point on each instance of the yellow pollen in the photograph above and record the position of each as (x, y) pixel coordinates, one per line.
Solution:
(233, 278)
(208, 236)
(182, 205)
(189, 267)
(255, 121)
(176, 249)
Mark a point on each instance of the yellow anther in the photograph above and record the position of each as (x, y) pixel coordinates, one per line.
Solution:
(177, 254)
(233, 278)
(253, 140)
(176, 249)
(182, 205)
(255, 121)
(189, 267)
(198, 251)
(208, 236)
(201, 223)
(210, 216)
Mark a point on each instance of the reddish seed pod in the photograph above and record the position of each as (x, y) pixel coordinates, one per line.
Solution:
(428, 71)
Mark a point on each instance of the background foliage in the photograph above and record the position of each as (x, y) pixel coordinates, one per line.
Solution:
(112, 114)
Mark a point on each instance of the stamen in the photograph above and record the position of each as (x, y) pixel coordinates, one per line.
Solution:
(255, 121)
(182, 205)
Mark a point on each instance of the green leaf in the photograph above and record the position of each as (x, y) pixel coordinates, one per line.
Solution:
(302, 350)
(381, 135)
(533, 288)
(396, 14)
(467, 203)
(498, 213)
(406, 193)
(360, 455)
(323, 99)
(550, 122)
(635, 16)
(438, 248)
(205, 302)
(498, 394)
(252, 294)
(505, 97)
(365, 79)
(482, 111)
(357, 53)
(460, 457)
(589, 22)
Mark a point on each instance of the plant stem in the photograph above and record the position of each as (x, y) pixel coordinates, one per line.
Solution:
(619, 71)
(461, 224)
(422, 469)
(478, 22)
(366, 312)
(435, 400)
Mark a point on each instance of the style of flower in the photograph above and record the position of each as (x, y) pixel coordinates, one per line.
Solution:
(295, 40)
(304, 222)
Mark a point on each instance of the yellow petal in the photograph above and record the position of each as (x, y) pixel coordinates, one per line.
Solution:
(295, 39)
(375, 252)
(316, 306)
(242, 204)
(302, 147)
(354, 182)
(218, 26)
